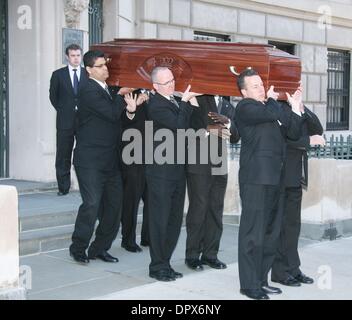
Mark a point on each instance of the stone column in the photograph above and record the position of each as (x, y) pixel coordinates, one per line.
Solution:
(73, 10)
(9, 243)
(232, 205)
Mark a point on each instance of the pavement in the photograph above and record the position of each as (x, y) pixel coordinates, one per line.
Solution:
(55, 276)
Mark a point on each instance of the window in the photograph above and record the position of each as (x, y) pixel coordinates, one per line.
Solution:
(205, 36)
(338, 90)
(287, 47)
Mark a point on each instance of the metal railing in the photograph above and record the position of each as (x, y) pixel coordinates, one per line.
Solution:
(337, 147)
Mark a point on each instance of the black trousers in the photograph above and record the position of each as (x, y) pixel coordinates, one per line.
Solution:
(287, 260)
(135, 189)
(258, 234)
(64, 147)
(101, 194)
(204, 217)
(166, 200)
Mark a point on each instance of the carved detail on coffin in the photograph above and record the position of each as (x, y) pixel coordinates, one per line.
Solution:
(180, 68)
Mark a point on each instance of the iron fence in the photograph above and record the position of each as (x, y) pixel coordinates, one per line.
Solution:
(337, 147)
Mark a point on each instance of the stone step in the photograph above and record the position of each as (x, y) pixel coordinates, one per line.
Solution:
(48, 220)
(43, 210)
(45, 240)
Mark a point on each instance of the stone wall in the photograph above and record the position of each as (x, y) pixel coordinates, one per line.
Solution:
(9, 240)
(327, 202)
(299, 23)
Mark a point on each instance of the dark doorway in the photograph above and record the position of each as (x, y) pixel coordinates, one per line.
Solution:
(95, 21)
(4, 152)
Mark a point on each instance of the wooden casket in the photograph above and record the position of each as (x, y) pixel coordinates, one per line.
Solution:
(210, 67)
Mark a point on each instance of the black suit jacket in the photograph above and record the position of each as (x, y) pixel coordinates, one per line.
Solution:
(263, 147)
(166, 115)
(99, 129)
(201, 120)
(62, 96)
(296, 170)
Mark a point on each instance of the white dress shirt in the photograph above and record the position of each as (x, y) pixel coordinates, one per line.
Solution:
(104, 86)
(72, 73)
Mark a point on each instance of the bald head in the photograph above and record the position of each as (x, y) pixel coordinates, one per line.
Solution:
(163, 81)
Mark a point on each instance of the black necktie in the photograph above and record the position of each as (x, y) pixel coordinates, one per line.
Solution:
(219, 105)
(75, 82)
(107, 91)
(173, 100)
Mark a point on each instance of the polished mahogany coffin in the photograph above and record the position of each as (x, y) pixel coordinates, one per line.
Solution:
(210, 67)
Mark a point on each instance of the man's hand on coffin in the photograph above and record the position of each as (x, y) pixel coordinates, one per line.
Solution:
(219, 130)
(143, 97)
(295, 100)
(124, 91)
(272, 94)
(131, 100)
(219, 118)
(188, 95)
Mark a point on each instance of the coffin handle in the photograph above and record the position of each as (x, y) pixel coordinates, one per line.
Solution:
(234, 71)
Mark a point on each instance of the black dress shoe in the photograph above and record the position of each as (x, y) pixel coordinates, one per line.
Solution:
(106, 257)
(194, 264)
(133, 248)
(304, 279)
(62, 193)
(271, 290)
(289, 281)
(162, 275)
(256, 294)
(213, 263)
(80, 257)
(144, 243)
(175, 274)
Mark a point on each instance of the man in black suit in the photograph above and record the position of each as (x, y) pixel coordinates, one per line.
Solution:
(286, 269)
(134, 184)
(165, 176)
(206, 189)
(264, 126)
(65, 85)
(97, 162)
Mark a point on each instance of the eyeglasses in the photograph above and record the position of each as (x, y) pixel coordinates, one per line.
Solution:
(166, 83)
(107, 61)
(100, 66)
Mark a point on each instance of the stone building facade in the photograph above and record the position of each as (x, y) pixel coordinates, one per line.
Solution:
(34, 49)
